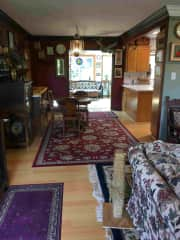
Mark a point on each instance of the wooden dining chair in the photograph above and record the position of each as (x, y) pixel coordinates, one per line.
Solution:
(83, 108)
(71, 115)
(173, 120)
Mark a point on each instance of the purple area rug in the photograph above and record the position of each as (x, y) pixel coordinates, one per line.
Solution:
(102, 115)
(32, 212)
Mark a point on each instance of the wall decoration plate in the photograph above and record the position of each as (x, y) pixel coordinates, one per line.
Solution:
(60, 49)
(177, 30)
(16, 128)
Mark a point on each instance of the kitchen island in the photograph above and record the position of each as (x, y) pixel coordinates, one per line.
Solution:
(137, 101)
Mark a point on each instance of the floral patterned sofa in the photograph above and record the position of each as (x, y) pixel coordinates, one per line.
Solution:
(93, 88)
(154, 205)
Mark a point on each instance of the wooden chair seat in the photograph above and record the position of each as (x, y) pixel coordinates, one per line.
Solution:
(71, 115)
(83, 108)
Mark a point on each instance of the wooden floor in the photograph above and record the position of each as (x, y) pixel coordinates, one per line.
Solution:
(78, 217)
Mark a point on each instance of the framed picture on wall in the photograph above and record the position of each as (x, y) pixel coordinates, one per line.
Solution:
(59, 67)
(50, 50)
(10, 40)
(158, 70)
(41, 55)
(118, 72)
(159, 55)
(175, 52)
(37, 45)
(118, 57)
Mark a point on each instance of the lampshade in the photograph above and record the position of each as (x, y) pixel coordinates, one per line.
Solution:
(77, 44)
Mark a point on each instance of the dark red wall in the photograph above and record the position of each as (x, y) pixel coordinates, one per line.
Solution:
(44, 72)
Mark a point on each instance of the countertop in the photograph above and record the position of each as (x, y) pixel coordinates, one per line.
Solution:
(139, 87)
(39, 91)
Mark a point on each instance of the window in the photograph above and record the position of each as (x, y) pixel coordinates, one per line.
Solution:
(82, 68)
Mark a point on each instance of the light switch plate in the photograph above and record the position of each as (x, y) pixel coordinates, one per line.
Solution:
(173, 75)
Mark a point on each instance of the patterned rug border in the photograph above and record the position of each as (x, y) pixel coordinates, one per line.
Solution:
(58, 189)
(132, 138)
(107, 114)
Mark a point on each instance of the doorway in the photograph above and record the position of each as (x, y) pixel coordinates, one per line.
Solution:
(92, 66)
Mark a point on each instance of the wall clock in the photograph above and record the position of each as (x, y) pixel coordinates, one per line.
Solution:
(60, 49)
(177, 29)
(16, 128)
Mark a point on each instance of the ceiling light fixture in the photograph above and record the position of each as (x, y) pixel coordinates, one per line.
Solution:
(77, 44)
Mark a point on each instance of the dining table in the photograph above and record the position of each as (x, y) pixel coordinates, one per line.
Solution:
(82, 103)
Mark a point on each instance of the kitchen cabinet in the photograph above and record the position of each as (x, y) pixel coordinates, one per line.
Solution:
(137, 102)
(137, 58)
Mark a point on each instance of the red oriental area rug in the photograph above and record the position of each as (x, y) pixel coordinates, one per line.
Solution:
(97, 115)
(96, 144)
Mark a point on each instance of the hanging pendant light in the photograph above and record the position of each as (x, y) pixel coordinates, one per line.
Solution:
(77, 44)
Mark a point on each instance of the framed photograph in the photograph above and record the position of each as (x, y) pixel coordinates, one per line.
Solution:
(175, 52)
(158, 70)
(37, 45)
(41, 54)
(59, 67)
(50, 51)
(10, 40)
(159, 55)
(161, 40)
(118, 72)
(118, 57)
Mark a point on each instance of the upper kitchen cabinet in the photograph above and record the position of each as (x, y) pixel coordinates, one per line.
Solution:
(137, 56)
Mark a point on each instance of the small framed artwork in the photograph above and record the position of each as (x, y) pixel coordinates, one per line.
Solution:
(175, 52)
(118, 72)
(158, 70)
(37, 45)
(161, 40)
(59, 67)
(41, 54)
(11, 40)
(159, 55)
(118, 57)
(50, 51)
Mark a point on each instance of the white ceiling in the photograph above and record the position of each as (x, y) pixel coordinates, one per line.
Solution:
(93, 17)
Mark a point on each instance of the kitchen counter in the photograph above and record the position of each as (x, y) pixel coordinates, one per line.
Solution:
(137, 102)
(139, 87)
(39, 91)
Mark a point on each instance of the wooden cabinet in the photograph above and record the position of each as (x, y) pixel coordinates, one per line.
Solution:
(137, 104)
(137, 58)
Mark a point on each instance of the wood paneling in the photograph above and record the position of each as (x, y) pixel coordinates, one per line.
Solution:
(158, 83)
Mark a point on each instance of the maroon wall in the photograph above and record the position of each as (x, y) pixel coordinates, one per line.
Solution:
(44, 74)
(44, 70)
